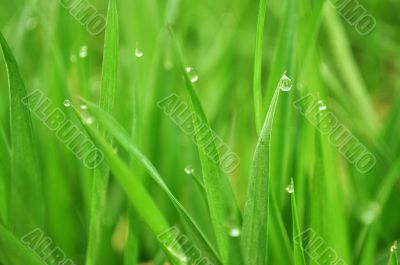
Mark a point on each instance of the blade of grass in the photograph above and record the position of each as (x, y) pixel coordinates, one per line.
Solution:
(218, 189)
(5, 161)
(393, 260)
(258, 56)
(298, 247)
(122, 137)
(26, 197)
(107, 94)
(255, 218)
(13, 252)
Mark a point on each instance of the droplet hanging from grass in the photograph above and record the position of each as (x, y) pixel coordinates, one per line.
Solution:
(290, 189)
(83, 52)
(393, 248)
(189, 170)
(234, 232)
(138, 53)
(67, 103)
(192, 73)
(285, 84)
(84, 107)
(321, 105)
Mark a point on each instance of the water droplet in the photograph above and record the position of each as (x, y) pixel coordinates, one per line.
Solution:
(83, 52)
(138, 53)
(67, 103)
(290, 188)
(234, 232)
(88, 120)
(84, 107)
(193, 76)
(393, 247)
(371, 213)
(72, 58)
(189, 170)
(31, 23)
(321, 105)
(285, 83)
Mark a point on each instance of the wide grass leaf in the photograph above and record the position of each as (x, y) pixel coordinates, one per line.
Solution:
(26, 197)
(255, 218)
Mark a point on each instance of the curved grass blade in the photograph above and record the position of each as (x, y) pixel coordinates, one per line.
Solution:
(255, 218)
(5, 161)
(107, 95)
(13, 252)
(122, 137)
(218, 189)
(26, 197)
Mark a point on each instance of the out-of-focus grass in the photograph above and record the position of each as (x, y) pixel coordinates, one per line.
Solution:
(239, 49)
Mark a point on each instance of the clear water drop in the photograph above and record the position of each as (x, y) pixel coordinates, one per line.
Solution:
(290, 189)
(193, 76)
(83, 52)
(393, 248)
(138, 53)
(234, 232)
(189, 170)
(321, 105)
(371, 213)
(67, 103)
(88, 120)
(285, 83)
(84, 107)
(31, 23)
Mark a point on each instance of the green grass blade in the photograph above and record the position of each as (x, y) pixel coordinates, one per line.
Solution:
(218, 189)
(107, 95)
(5, 161)
(258, 56)
(255, 218)
(298, 248)
(13, 252)
(26, 198)
(393, 260)
(122, 137)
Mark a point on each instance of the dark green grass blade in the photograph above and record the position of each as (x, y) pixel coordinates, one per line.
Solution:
(107, 95)
(122, 137)
(26, 198)
(257, 80)
(297, 246)
(255, 218)
(13, 252)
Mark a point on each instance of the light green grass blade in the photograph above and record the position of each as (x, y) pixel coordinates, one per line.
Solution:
(218, 189)
(393, 260)
(13, 252)
(255, 218)
(26, 197)
(297, 246)
(107, 95)
(122, 137)
(258, 56)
